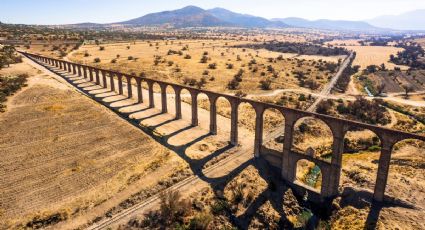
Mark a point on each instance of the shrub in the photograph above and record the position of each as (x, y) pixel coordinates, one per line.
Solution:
(170, 63)
(374, 148)
(219, 207)
(97, 60)
(187, 56)
(233, 84)
(130, 58)
(172, 208)
(86, 54)
(204, 59)
(265, 84)
(212, 66)
(189, 81)
(229, 66)
(324, 107)
(270, 68)
(201, 221)
(114, 61)
(101, 48)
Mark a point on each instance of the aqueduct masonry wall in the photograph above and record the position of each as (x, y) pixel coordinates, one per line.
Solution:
(286, 159)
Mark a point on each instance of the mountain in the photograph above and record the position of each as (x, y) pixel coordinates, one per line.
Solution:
(327, 24)
(244, 20)
(412, 20)
(190, 16)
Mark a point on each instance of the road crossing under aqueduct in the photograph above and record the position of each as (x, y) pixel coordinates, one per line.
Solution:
(286, 159)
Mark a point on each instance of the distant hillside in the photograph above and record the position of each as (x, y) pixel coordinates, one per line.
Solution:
(244, 20)
(327, 24)
(413, 20)
(190, 16)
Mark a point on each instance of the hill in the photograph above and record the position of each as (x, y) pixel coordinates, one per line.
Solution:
(412, 20)
(190, 16)
(244, 20)
(327, 24)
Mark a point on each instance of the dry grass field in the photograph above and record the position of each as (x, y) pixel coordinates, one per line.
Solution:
(50, 49)
(421, 41)
(222, 63)
(349, 42)
(63, 154)
(374, 55)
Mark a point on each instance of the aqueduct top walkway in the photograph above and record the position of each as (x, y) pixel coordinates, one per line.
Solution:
(287, 158)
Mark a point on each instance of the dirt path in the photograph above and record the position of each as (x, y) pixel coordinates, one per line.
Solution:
(327, 89)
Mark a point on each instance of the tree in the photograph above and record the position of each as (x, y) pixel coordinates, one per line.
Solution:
(407, 89)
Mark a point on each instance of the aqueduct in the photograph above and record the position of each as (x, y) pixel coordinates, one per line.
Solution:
(286, 159)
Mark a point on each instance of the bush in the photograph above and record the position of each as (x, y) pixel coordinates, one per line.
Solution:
(130, 58)
(324, 107)
(201, 221)
(97, 60)
(189, 81)
(265, 84)
(187, 56)
(204, 59)
(240, 94)
(113, 61)
(86, 54)
(233, 84)
(212, 66)
(101, 48)
(229, 66)
(219, 207)
(172, 208)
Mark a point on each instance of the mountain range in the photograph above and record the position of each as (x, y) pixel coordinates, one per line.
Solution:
(193, 16)
(413, 20)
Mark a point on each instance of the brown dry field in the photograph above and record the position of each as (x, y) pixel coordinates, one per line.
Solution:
(374, 55)
(216, 79)
(62, 153)
(348, 42)
(47, 49)
(421, 41)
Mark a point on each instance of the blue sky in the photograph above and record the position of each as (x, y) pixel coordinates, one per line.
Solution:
(104, 11)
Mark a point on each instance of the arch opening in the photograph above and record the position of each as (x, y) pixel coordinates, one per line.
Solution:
(273, 129)
(407, 172)
(361, 152)
(309, 174)
(312, 137)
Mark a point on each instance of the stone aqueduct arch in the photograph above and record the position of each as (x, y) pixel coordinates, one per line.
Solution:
(288, 158)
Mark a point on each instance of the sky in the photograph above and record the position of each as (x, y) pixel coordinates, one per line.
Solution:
(107, 11)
